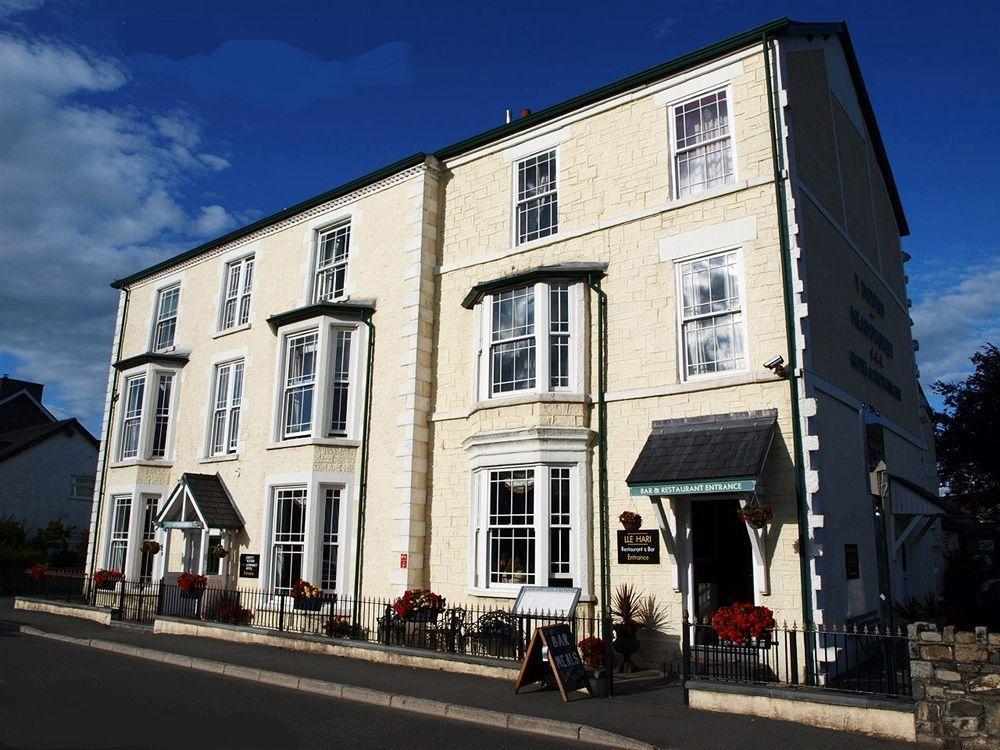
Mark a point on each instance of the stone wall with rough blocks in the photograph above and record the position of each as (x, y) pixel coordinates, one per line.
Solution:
(956, 686)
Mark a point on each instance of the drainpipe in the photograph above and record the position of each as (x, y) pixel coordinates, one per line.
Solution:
(363, 477)
(109, 429)
(777, 159)
(594, 282)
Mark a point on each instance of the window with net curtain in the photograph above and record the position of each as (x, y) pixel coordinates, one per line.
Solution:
(703, 144)
(711, 315)
(288, 538)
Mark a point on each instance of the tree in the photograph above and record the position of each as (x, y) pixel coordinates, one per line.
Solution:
(966, 433)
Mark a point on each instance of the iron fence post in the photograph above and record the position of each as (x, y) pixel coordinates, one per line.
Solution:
(121, 599)
(685, 654)
(159, 597)
(792, 637)
(281, 613)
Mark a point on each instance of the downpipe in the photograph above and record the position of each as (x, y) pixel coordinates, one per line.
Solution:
(363, 474)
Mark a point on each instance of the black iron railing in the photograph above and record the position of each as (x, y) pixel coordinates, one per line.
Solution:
(852, 659)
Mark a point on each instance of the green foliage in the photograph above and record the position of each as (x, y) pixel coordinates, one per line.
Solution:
(50, 544)
(965, 433)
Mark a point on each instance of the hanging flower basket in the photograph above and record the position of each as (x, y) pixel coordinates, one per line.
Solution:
(218, 551)
(105, 580)
(150, 547)
(192, 585)
(757, 516)
(631, 521)
(308, 598)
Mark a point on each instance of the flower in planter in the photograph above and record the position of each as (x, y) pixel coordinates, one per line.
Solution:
(191, 583)
(217, 550)
(151, 547)
(741, 623)
(756, 515)
(339, 626)
(305, 590)
(415, 601)
(37, 571)
(631, 521)
(106, 579)
(592, 649)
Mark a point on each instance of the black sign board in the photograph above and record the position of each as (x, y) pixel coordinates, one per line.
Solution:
(249, 566)
(564, 660)
(639, 547)
(852, 565)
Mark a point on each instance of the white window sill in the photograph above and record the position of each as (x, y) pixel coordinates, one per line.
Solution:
(530, 397)
(219, 459)
(330, 442)
(715, 375)
(234, 329)
(141, 462)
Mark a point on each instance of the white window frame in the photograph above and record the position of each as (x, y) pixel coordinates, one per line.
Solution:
(332, 267)
(230, 406)
(158, 320)
(239, 295)
(542, 337)
(119, 538)
(326, 327)
(328, 491)
(272, 508)
(675, 150)
(137, 496)
(517, 201)
(682, 357)
(88, 480)
(147, 418)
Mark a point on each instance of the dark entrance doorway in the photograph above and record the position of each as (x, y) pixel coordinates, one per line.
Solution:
(723, 561)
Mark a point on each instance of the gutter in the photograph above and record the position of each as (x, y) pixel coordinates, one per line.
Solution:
(363, 474)
(109, 429)
(777, 161)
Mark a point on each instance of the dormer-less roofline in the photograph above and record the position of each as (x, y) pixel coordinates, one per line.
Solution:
(777, 28)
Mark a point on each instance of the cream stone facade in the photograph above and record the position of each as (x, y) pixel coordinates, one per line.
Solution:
(469, 459)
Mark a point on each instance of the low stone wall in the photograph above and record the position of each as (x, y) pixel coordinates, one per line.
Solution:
(67, 609)
(956, 686)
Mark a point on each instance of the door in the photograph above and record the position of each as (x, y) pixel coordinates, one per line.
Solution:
(723, 560)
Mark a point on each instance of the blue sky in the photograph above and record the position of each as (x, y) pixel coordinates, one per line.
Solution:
(132, 131)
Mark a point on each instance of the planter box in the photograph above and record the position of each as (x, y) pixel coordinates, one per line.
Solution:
(309, 605)
(193, 594)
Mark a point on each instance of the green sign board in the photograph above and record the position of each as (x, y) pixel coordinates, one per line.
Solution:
(695, 487)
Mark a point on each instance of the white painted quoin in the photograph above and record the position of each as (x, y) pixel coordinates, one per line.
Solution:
(457, 294)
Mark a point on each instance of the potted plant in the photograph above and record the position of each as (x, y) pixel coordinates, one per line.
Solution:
(217, 551)
(756, 516)
(339, 626)
(744, 624)
(634, 613)
(105, 579)
(631, 521)
(192, 585)
(150, 547)
(419, 605)
(593, 651)
(306, 597)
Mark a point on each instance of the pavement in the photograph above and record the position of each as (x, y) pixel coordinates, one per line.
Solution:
(651, 714)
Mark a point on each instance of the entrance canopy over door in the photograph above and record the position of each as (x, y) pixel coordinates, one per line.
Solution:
(721, 454)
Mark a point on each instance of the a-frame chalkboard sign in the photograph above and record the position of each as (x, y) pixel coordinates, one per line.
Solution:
(564, 660)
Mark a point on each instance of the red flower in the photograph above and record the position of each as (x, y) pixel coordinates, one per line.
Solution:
(417, 600)
(631, 521)
(37, 571)
(106, 579)
(191, 582)
(742, 622)
(593, 651)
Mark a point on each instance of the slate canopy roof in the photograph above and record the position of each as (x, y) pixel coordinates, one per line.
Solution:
(722, 446)
(209, 496)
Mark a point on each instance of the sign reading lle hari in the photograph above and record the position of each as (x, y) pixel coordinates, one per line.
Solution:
(639, 547)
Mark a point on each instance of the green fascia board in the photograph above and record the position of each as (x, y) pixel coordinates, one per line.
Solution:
(156, 358)
(565, 271)
(714, 486)
(358, 309)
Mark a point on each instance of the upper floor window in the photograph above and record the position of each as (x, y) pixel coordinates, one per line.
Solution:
(226, 408)
(144, 427)
(711, 315)
(318, 381)
(331, 262)
(703, 144)
(82, 487)
(165, 327)
(236, 302)
(536, 205)
(531, 340)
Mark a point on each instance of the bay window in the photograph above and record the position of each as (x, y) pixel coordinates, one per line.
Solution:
(531, 340)
(712, 328)
(161, 415)
(703, 145)
(319, 381)
(144, 425)
(288, 538)
(135, 389)
(121, 519)
(330, 542)
(149, 507)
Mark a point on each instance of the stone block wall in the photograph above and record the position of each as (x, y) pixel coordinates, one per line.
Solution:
(956, 686)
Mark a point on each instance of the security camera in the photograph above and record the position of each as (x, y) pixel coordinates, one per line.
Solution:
(777, 366)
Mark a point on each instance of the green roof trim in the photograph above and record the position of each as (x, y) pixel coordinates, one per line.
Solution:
(779, 27)
(178, 359)
(559, 272)
(358, 309)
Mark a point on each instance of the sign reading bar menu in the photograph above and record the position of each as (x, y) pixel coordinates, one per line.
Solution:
(249, 566)
(563, 657)
(639, 547)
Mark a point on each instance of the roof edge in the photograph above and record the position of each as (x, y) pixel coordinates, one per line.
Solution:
(552, 272)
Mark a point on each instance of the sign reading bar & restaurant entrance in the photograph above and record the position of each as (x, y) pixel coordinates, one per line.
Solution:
(698, 487)
(639, 547)
(563, 657)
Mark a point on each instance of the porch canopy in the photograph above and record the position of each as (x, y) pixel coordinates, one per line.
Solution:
(200, 501)
(721, 454)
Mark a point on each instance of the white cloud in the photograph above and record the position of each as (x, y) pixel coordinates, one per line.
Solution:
(665, 27)
(87, 194)
(10, 8)
(958, 312)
